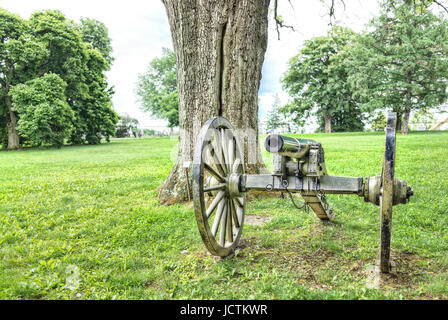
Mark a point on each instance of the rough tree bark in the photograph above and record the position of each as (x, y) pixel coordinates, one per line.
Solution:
(327, 118)
(13, 134)
(11, 122)
(406, 115)
(407, 109)
(220, 47)
(399, 112)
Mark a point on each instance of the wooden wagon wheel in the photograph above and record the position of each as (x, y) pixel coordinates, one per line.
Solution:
(387, 192)
(219, 210)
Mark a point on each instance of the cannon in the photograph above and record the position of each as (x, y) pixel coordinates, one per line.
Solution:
(220, 183)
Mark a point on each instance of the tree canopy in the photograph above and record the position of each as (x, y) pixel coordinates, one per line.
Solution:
(95, 32)
(401, 64)
(45, 116)
(49, 43)
(157, 88)
(275, 119)
(316, 79)
(20, 54)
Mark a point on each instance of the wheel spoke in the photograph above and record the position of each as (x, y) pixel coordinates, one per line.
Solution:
(234, 215)
(239, 213)
(231, 148)
(214, 173)
(229, 232)
(236, 165)
(214, 203)
(240, 202)
(220, 186)
(218, 150)
(222, 236)
(216, 161)
(221, 207)
(225, 148)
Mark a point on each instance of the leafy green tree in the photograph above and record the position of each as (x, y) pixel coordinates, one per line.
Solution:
(345, 120)
(417, 6)
(316, 79)
(45, 116)
(157, 88)
(95, 117)
(67, 52)
(83, 69)
(378, 121)
(50, 43)
(19, 54)
(275, 119)
(96, 33)
(67, 58)
(401, 64)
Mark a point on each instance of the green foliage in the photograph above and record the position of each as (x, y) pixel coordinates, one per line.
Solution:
(83, 68)
(50, 43)
(96, 33)
(45, 116)
(157, 88)
(95, 115)
(378, 122)
(401, 64)
(344, 120)
(317, 81)
(20, 53)
(417, 6)
(67, 52)
(276, 119)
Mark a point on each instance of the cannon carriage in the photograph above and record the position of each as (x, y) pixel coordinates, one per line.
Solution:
(220, 183)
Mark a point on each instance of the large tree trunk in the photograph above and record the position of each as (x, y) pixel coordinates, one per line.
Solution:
(399, 111)
(219, 47)
(11, 124)
(13, 134)
(327, 119)
(407, 112)
(406, 115)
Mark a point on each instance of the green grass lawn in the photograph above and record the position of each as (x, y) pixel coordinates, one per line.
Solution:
(85, 223)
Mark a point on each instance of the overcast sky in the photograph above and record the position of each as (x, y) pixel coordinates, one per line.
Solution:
(139, 30)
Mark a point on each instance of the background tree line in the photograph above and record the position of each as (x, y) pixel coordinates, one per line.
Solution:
(399, 64)
(344, 79)
(52, 79)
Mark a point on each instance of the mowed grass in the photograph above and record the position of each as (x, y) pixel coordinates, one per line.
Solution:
(85, 223)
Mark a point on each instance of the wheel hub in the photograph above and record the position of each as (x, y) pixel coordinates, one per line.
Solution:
(233, 185)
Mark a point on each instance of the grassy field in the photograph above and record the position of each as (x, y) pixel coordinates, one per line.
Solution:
(84, 223)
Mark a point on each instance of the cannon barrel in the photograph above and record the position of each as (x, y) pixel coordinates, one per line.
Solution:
(276, 143)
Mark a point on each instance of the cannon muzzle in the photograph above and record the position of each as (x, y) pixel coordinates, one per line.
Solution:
(288, 146)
